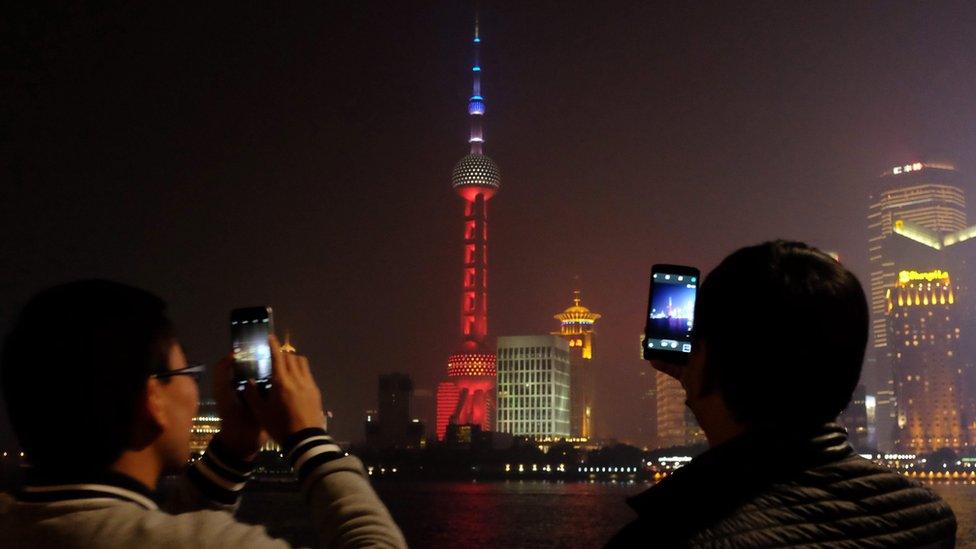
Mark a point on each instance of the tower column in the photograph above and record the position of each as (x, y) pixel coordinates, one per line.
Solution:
(474, 299)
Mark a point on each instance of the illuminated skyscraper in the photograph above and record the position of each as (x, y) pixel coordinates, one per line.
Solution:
(576, 326)
(854, 418)
(534, 386)
(927, 195)
(929, 375)
(676, 424)
(468, 394)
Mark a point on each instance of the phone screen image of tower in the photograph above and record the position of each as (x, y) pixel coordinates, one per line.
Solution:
(671, 316)
(467, 396)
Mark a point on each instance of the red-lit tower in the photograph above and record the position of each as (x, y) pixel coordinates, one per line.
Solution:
(468, 395)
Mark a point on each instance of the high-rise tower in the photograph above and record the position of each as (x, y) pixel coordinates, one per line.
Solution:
(576, 325)
(468, 394)
(926, 195)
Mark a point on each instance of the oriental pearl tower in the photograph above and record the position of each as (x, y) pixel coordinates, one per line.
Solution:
(468, 395)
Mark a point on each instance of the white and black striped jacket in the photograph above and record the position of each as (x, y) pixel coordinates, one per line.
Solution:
(112, 510)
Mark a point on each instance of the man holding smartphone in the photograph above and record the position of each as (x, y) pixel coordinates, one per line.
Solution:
(102, 400)
(779, 335)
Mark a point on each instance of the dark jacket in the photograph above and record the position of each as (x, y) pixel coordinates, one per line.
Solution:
(787, 490)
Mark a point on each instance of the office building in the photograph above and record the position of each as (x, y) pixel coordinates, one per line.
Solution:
(676, 424)
(854, 418)
(928, 195)
(933, 407)
(534, 386)
(392, 425)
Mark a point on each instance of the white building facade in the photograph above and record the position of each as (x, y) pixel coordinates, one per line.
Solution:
(533, 386)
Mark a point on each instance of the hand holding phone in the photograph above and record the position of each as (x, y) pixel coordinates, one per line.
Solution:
(250, 328)
(670, 313)
(294, 402)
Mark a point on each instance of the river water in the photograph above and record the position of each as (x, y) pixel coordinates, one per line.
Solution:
(512, 513)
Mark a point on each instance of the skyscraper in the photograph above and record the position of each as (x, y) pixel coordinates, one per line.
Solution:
(576, 326)
(676, 424)
(392, 425)
(929, 374)
(534, 386)
(468, 394)
(927, 195)
(854, 418)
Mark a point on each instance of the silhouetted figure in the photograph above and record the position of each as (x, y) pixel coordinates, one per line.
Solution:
(780, 334)
(101, 399)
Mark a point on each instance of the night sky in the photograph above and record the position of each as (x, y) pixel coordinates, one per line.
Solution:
(299, 155)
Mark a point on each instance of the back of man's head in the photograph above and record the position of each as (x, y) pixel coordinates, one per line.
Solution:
(785, 328)
(74, 370)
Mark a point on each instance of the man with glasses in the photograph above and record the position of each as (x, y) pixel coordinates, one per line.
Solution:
(101, 399)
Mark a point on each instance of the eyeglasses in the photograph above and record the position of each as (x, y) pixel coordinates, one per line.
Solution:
(194, 370)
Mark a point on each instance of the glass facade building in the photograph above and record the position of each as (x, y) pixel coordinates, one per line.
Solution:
(533, 386)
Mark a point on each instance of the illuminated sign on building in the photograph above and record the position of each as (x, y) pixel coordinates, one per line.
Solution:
(907, 168)
(904, 277)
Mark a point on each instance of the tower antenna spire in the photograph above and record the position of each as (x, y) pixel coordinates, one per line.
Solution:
(476, 104)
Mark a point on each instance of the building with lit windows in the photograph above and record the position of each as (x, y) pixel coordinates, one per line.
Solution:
(205, 425)
(577, 327)
(646, 412)
(930, 380)
(854, 418)
(676, 424)
(534, 376)
(392, 426)
(467, 395)
(927, 195)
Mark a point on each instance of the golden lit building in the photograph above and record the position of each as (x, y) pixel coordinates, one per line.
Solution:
(287, 347)
(929, 373)
(927, 195)
(577, 327)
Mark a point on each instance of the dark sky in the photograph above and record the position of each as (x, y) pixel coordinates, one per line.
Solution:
(231, 154)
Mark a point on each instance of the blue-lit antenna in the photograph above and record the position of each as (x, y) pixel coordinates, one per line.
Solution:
(476, 104)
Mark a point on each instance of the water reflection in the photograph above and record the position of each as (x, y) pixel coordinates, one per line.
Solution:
(511, 514)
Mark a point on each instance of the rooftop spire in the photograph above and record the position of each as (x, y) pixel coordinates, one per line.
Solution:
(476, 104)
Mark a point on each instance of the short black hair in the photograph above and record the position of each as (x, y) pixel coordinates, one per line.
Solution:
(74, 368)
(785, 327)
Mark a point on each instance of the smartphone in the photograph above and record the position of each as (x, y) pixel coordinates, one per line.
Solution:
(249, 331)
(671, 313)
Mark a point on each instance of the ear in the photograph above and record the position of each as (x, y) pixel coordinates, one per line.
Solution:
(154, 406)
(698, 376)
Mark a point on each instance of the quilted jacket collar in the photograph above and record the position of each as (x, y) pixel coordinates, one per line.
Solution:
(723, 477)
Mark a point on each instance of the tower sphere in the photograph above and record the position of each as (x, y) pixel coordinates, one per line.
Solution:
(476, 172)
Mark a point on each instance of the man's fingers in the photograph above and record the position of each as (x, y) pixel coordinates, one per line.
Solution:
(279, 367)
(305, 369)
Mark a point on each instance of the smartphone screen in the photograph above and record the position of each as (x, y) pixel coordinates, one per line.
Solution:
(671, 312)
(249, 331)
